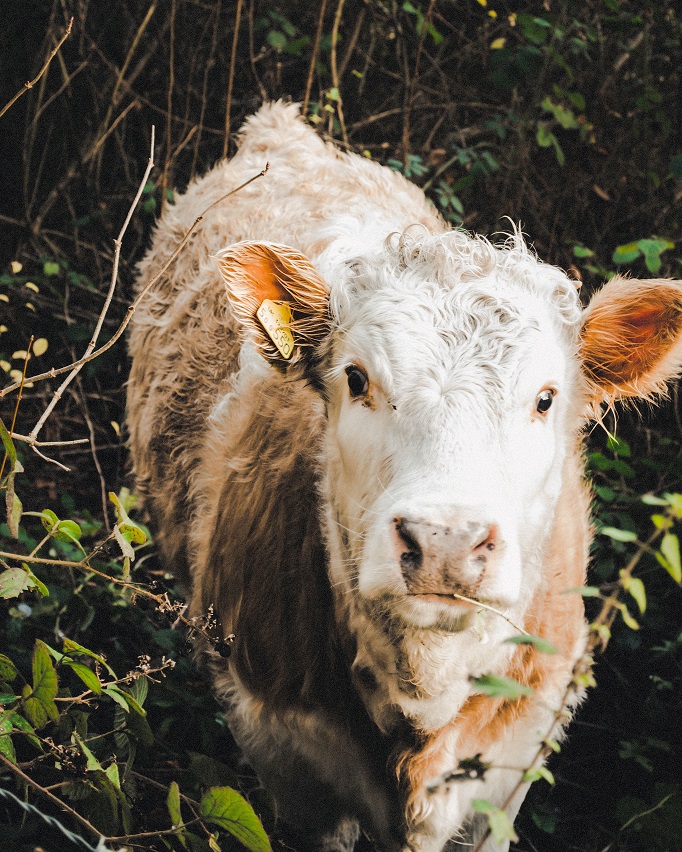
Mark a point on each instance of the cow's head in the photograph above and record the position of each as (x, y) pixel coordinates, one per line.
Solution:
(457, 377)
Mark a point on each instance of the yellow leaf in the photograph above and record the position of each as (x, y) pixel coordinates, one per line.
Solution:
(31, 306)
(483, 3)
(115, 426)
(40, 346)
(32, 286)
(4, 297)
(16, 266)
(3, 329)
(498, 43)
(5, 365)
(20, 353)
(492, 13)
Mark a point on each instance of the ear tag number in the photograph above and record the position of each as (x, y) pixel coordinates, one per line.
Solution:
(276, 319)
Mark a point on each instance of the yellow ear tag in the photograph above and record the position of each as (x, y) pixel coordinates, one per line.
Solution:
(276, 318)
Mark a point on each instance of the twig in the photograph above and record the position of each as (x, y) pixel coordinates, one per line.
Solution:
(16, 406)
(230, 79)
(32, 83)
(413, 81)
(335, 70)
(95, 457)
(112, 286)
(199, 126)
(489, 608)
(54, 372)
(169, 105)
(25, 439)
(55, 799)
(313, 56)
(252, 58)
(582, 666)
(102, 139)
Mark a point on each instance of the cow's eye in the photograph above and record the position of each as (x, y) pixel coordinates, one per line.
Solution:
(358, 383)
(544, 401)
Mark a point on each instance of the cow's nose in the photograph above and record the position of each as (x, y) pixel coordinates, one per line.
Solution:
(445, 556)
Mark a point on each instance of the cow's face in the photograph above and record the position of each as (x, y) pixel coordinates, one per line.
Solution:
(451, 405)
(456, 379)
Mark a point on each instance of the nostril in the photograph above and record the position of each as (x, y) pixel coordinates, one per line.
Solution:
(412, 557)
(487, 542)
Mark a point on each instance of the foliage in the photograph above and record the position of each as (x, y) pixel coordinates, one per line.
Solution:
(561, 116)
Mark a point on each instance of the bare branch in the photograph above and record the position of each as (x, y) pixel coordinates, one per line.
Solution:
(54, 372)
(32, 83)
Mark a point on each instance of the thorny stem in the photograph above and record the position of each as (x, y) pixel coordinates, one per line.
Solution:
(161, 600)
(31, 83)
(581, 668)
(51, 374)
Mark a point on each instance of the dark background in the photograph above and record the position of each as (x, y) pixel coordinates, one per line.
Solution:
(564, 117)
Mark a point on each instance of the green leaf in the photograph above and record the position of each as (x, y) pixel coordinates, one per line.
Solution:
(670, 549)
(618, 535)
(225, 808)
(608, 495)
(582, 251)
(13, 582)
(635, 587)
(538, 773)
(51, 268)
(619, 446)
(39, 706)
(497, 686)
(585, 591)
(116, 695)
(627, 618)
(501, 826)
(14, 513)
(626, 253)
(6, 744)
(20, 724)
(72, 648)
(87, 675)
(130, 530)
(540, 643)
(173, 804)
(92, 765)
(652, 500)
(8, 671)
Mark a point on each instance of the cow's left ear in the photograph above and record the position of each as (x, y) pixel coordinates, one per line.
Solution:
(278, 297)
(631, 339)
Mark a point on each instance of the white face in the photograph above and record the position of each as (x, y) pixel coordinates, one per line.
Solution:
(448, 428)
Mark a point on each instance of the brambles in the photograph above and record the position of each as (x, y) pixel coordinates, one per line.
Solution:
(560, 116)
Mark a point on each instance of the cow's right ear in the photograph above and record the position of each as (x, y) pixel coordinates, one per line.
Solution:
(278, 297)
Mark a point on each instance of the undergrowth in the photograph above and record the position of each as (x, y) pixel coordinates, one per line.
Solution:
(563, 117)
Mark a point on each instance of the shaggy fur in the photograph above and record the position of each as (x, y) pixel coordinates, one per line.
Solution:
(436, 394)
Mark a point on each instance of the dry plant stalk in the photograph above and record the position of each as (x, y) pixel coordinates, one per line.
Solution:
(91, 353)
(31, 83)
(599, 631)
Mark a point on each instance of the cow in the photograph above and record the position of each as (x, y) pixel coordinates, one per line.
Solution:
(358, 432)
